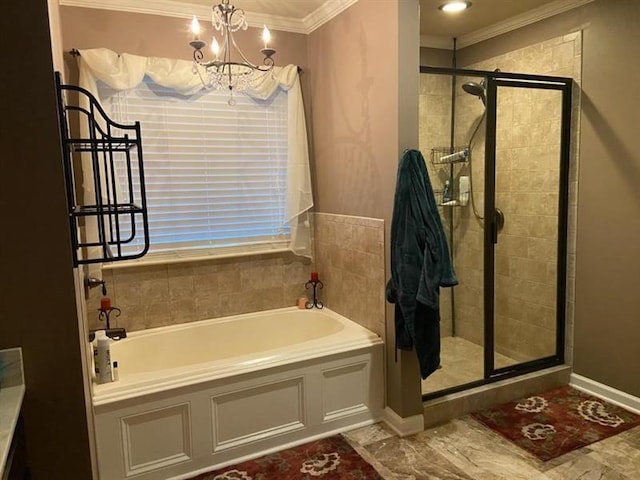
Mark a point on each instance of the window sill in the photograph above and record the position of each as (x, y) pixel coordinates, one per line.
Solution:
(188, 258)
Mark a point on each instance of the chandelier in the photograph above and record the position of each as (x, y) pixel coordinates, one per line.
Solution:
(223, 72)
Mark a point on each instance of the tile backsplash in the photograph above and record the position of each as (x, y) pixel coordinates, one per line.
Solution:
(350, 261)
(158, 295)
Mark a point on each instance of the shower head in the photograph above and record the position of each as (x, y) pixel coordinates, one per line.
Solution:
(476, 89)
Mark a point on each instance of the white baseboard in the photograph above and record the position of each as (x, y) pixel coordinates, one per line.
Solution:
(403, 426)
(610, 394)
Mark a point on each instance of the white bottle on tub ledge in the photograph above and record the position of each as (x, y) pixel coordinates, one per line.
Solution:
(102, 357)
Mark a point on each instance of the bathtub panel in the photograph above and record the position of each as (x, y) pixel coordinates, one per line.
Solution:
(345, 391)
(256, 413)
(155, 439)
(239, 409)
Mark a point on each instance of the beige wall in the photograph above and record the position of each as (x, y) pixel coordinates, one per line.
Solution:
(607, 330)
(364, 85)
(157, 36)
(354, 104)
(350, 262)
(435, 57)
(607, 259)
(37, 295)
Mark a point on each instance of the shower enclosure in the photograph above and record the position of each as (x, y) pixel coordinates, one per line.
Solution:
(497, 148)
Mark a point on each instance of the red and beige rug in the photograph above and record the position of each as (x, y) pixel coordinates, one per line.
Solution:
(327, 459)
(556, 422)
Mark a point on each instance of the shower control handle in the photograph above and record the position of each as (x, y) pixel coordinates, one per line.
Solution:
(497, 224)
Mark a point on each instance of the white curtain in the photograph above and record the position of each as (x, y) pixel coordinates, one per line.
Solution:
(125, 71)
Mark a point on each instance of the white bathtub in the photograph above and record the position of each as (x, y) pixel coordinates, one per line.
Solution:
(197, 396)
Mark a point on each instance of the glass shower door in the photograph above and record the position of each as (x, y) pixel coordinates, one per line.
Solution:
(525, 238)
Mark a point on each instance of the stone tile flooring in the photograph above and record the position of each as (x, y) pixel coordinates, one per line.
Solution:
(462, 362)
(462, 449)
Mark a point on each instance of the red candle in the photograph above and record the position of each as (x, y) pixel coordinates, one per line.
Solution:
(105, 304)
(314, 276)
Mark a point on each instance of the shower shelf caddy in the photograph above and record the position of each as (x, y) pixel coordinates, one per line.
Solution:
(114, 151)
(449, 156)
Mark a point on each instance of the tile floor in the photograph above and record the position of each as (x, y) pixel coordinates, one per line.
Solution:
(462, 449)
(462, 362)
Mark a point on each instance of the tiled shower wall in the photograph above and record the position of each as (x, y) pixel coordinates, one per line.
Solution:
(435, 131)
(528, 139)
(350, 262)
(158, 295)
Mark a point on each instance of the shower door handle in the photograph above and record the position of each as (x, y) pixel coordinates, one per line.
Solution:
(494, 232)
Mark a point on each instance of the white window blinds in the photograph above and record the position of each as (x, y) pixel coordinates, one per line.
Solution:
(215, 175)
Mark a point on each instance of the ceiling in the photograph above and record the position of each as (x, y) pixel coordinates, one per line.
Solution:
(483, 13)
(485, 18)
(297, 9)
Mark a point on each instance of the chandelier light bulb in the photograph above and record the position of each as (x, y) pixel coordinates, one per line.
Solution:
(229, 70)
(195, 28)
(455, 6)
(266, 36)
(215, 47)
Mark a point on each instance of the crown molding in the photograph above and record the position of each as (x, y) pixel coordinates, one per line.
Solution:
(169, 8)
(436, 41)
(325, 12)
(518, 21)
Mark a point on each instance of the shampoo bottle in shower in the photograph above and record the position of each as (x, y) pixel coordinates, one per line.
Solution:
(446, 194)
(102, 357)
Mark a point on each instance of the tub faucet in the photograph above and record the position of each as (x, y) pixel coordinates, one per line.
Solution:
(93, 282)
(112, 333)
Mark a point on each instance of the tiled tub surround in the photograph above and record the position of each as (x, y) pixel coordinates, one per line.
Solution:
(350, 261)
(234, 388)
(158, 295)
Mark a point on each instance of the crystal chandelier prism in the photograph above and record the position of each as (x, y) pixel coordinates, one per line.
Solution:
(225, 72)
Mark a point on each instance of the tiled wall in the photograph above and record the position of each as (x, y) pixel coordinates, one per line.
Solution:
(526, 191)
(527, 172)
(434, 132)
(350, 262)
(157, 295)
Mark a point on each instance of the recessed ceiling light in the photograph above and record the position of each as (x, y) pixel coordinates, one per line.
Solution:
(454, 7)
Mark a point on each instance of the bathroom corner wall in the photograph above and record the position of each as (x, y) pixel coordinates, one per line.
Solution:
(350, 262)
(157, 295)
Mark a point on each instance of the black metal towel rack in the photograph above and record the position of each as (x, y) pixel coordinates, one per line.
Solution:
(119, 208)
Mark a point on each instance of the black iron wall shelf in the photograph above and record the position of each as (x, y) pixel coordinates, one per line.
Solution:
(115, 215)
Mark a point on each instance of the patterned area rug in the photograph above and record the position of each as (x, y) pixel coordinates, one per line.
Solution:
(556, 422)
(327, 459)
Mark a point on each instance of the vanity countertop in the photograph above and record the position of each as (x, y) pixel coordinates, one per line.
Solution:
(11, 395)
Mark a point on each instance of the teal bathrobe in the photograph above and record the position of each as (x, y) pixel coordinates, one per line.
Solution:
(420, 263)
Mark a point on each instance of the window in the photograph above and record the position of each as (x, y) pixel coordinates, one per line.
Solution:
(215, 175)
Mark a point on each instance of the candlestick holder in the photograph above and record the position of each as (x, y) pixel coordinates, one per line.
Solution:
(315, 284)
(105, 314)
